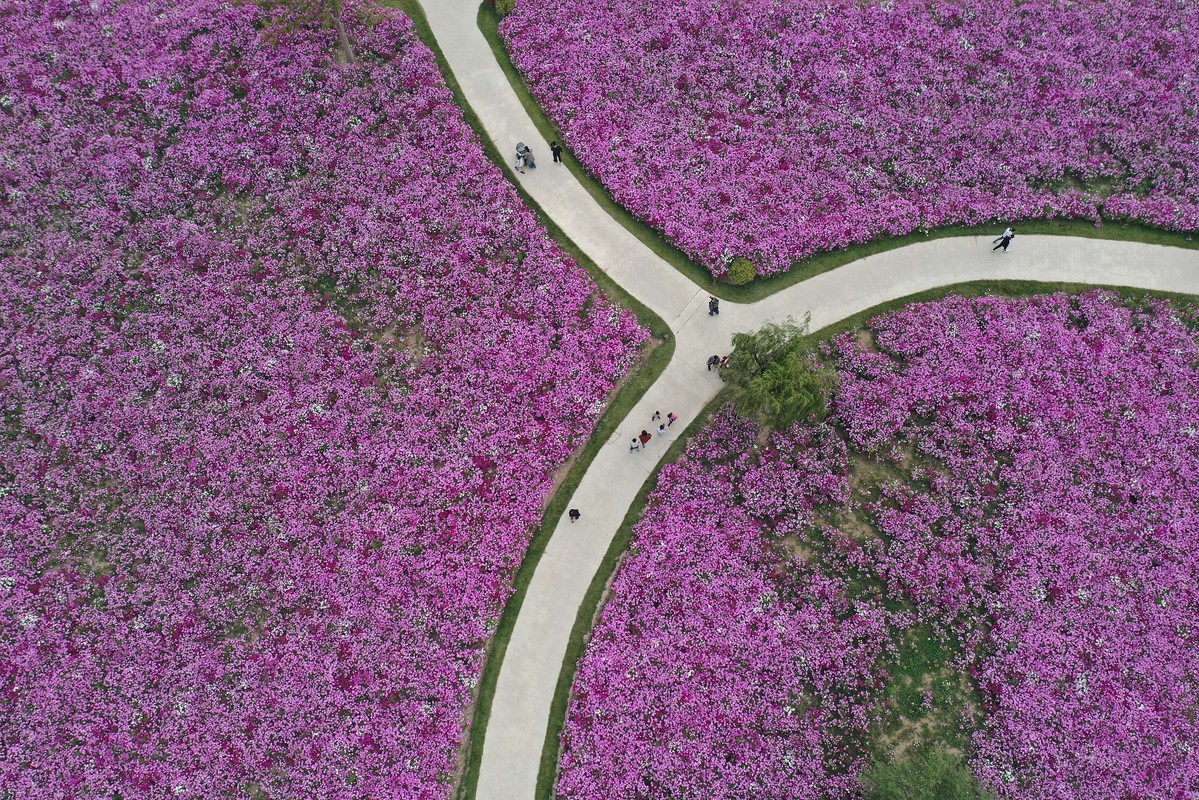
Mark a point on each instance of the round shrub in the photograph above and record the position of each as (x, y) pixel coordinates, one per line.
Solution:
(741, 271)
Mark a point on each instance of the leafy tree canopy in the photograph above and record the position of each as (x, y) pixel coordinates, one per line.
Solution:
(776, 376)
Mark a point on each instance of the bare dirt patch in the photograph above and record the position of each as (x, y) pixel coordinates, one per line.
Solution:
(865, 340)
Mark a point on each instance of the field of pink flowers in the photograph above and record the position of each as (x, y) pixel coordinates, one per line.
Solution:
(1046, 519)
(287, 367)
(712, 673)
(775, 130)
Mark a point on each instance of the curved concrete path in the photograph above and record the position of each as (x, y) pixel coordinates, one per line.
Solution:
(529, 674)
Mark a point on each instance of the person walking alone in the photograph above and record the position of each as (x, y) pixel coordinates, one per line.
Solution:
(713, 307)
(1004, 240)
(574, 515)
(556, 149)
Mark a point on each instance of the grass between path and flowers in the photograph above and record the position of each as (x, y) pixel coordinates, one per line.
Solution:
(918, 662)
(488, 21)
(657, 355)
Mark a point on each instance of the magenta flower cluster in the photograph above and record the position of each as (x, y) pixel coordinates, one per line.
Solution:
(1047, 524)
(287, 369)
(775, 129)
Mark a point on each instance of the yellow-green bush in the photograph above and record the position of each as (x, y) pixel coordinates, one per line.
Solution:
(741, 271)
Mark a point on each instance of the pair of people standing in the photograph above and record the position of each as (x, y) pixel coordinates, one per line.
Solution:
(524, 156)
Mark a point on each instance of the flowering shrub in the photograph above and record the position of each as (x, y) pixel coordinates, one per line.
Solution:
(287, 369)
(775, 129)
(1045, 519)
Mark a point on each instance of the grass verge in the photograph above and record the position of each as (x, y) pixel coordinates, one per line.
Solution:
(619, 406)
(998, 288)
(488, 21)
(617, 410)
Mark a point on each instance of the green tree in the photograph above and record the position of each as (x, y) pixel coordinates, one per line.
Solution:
(926, 774)
(777, 377)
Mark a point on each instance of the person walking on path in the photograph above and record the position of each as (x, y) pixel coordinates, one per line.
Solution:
(556, 149)
(661, 430)
(644, 437)
(657, 416)
(574, 515)
(670, 418)
(1004, 240)
(522, 156)
(713, 307)
(713, 361)
(635, 447)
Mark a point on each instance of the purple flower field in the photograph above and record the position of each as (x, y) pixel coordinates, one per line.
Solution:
(775, 130)
(287, 369)
(711, 673)
(1043, 515)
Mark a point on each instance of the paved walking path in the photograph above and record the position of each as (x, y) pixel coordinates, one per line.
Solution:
(529, 675)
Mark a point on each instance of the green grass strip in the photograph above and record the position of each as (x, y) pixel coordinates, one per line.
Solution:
(488, 21)
(618, 408)
(590, 608)
(994, 288)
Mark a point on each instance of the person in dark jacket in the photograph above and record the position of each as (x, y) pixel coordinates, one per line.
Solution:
(1004, 240)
